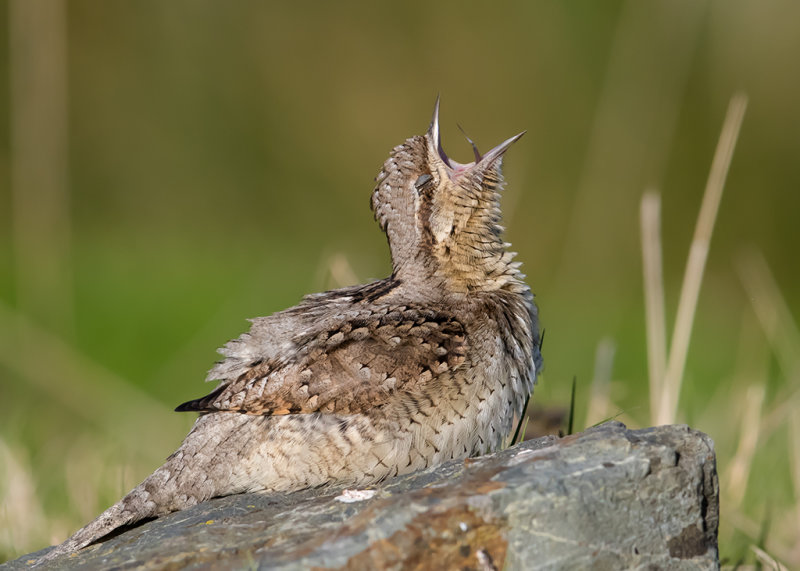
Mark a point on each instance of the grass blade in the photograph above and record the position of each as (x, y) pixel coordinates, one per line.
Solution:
(571, 420)
(655, 321)
(695, 264)
(522, 418)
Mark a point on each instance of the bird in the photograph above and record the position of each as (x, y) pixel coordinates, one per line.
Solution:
(360, 384)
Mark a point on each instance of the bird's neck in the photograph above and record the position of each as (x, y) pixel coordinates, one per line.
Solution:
(479, 264)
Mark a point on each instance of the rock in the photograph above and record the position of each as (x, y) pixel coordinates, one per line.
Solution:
(608, 498)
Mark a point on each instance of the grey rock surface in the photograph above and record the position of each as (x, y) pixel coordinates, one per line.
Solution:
(608, 498)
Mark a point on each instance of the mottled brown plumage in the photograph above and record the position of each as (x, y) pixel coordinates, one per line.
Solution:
(363, 383)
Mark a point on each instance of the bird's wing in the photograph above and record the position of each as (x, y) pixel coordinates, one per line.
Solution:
(349, 367)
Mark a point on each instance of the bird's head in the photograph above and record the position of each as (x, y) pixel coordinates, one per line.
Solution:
(442, 218)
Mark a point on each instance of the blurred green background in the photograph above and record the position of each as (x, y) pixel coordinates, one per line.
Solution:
(181, 166)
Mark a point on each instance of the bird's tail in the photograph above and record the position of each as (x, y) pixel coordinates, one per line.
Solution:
(154, 497)
(202, 468)
(111, 519)
(168, 489)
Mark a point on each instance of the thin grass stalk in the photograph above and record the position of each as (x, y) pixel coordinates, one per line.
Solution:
(780, 329)
(38, 123)
(600, 399)
(523, 419)
(22, 517)
(695, 264)
(751, 355)
(742, 461)
(571, 418)
(655, 321)
(794, 455)
(767, 560)
(755, 530)
(771, 309)
(341, 271)
(638, 101)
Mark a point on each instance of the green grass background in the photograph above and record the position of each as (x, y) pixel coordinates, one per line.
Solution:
(221, 156)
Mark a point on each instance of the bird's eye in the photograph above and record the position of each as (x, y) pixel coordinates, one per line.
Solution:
(422, 181)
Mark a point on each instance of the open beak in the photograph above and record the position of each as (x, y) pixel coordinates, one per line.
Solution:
(455, 169)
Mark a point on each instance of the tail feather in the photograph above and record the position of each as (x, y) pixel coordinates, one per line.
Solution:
(192, 474)
(152, 498)
(111, 519)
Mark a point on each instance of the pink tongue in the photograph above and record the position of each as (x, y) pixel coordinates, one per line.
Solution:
(459, 169)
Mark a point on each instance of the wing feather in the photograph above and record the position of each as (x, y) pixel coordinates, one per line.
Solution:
(347, 367)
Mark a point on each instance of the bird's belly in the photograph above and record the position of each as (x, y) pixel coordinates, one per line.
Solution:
(303, 451)
(477, 422)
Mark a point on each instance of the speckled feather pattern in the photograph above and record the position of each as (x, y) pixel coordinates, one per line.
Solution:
(367, 382)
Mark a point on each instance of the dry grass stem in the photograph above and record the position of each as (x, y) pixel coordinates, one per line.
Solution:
(600, 406)
(616, 159)
(771, 309)
(780, 329)
(794, 456)
(335, 271)
(752, 358)
(742, 461)
(767, 561)
(779, 338)
(21, 514)
(695, 264)
(40, 212)
(650, 218)
(341, 271)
